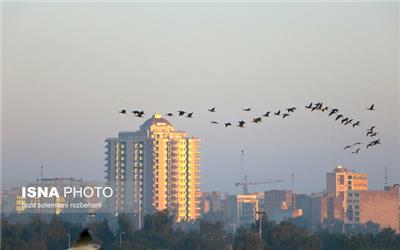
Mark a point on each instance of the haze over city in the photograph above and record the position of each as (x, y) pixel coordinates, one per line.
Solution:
(69, 68)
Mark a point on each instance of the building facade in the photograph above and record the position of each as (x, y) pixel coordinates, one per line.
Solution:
(153, 169)
(381, 207)
(338, 184)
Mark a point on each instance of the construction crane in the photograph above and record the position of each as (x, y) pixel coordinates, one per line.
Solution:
(245, 183)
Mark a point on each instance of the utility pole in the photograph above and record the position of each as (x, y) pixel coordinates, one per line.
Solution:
(260, 215)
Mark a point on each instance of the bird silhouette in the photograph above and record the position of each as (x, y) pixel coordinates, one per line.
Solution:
(347, 147)
(181, 113)
(214, 122)
(122, 111)
(345, 120)
(373, 143)
(138, 113)
(228, 124)
(267, 114)
(189, 115)
(372, 107)
(348, 122)
(333, 111)
(356, 124)
(241, 124)
(291, 110)
(284, 116)
(212, 109)
(309, 106)
(357, 143)
(247, 109)
(371, 128)
(169, 114)
(338, 117)
(356, 152)
(257, 120)
(278, 113)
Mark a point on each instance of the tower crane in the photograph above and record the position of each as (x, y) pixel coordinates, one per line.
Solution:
(245, 183)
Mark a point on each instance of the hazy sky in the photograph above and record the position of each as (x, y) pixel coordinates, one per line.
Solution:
(68, 69)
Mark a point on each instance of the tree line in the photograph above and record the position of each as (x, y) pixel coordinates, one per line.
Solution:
(160, 232)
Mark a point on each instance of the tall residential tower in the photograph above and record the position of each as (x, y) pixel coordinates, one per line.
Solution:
(154, 168)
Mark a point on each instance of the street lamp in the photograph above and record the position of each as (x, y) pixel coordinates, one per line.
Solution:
(120, 238)
(260, 213)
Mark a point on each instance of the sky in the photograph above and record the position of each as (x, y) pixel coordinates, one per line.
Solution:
(68, 68)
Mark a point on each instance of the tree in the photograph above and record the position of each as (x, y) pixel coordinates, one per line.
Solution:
(247, 239)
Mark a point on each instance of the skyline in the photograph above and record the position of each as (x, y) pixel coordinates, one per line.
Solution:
(97, 59)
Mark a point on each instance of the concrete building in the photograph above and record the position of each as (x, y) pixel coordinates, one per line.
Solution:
(314, 207)
(211, 202)
(381, 207)
(241, 209)
(338, 184)
(155, 168)
(280, 205)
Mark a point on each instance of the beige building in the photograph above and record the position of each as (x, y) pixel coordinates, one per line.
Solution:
(381, 207)
(338, 184)
(155, 168)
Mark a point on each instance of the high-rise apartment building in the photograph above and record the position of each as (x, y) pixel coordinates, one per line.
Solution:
(154, 168)
(338, 185)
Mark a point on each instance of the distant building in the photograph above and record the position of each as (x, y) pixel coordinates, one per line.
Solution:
(241, 209)
(153, 169)
(314, 207)
(338, 184)
(211, 202)
(280, 205)
(381, 207)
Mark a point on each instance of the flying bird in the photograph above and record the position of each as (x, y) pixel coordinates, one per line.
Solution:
(189, 115)
(333, 111)
(372, 107)
(309, 106)
(228, 124)
(138, 113)
(214, 122)
(278, 113)
(356, 152)
(122, 111)
(169, 114)
(247, 109)
(357, 143)
(181, 113)
(338, 117)
(291, 110)
(241, 124)
(257, 120)
(284, 116)
(267, 114)
(212, 109)
(347, 147)
(356, 124)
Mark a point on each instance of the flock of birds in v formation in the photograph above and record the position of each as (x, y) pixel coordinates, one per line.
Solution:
(319, 106)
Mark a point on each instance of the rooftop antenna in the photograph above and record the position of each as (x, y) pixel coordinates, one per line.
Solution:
(386, 177)
(41, 173)
(293, 193)
(242, 165)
